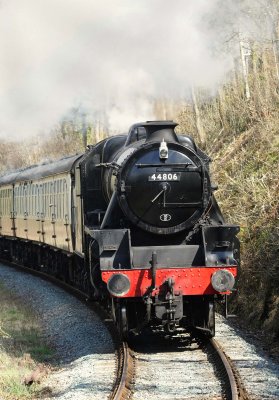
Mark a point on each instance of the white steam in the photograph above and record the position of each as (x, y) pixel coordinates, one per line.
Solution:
(109, 56)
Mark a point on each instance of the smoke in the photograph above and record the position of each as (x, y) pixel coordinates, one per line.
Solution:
(111, 58)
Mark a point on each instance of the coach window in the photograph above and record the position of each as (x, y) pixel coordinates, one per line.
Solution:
(3, 202)
(23, 200)
(47, 199)
(55, 197)
(25, 191)
(15, 201)
(7, 201)
(42, 205)
(65, 208)
(1, 205)
(33, 200)
(58, 200)
(29, 199)
(19, 200)
(51, 209)
(36, 198)
(10, 202)
(44, 199)
(61, 199)
(26, 199)
(28, 192)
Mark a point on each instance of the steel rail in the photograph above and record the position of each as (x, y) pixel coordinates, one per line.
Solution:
(228, 368)
(125, 373)
(237, 390)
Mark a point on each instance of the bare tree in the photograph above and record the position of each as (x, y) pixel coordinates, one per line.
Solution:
(199, 126)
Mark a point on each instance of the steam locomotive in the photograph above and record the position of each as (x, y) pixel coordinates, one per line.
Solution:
(132, 222)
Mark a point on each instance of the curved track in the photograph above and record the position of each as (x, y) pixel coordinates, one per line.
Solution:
(126, 375)
(235, 389)
(193, 368)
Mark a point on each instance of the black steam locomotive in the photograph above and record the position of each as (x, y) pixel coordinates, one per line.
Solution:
(133, 221)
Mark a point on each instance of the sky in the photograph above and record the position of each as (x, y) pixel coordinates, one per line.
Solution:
(109, 57)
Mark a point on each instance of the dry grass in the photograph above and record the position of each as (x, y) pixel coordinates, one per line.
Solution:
(243, 141)
(21, 348)
(249, 181)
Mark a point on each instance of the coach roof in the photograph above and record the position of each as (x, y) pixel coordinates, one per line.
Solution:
(40, 171)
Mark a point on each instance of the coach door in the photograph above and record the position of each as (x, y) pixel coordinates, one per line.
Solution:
(40, 212)
(77, 213)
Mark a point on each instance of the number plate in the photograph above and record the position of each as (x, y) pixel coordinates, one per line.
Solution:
(165, 177)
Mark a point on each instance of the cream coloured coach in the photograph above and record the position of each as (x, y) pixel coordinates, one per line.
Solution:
(38, 204)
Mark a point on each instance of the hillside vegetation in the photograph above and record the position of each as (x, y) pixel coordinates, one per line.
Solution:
(242, 137)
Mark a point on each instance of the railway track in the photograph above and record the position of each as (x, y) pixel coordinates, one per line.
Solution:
(125, 373)
(231, 385)
(234, 388)
(196, 368)
(199, 368)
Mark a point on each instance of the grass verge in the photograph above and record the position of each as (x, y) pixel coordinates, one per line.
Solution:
(22, 348)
